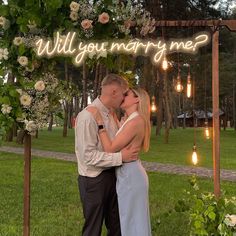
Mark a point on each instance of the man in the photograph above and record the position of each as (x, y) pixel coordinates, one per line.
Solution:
(97, 181)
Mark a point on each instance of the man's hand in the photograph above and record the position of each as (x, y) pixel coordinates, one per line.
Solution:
(130, 153)
(96, 114)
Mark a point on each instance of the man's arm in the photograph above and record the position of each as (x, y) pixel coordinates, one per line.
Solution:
(87, 145)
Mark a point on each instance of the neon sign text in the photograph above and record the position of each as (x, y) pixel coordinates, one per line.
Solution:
(69, 45)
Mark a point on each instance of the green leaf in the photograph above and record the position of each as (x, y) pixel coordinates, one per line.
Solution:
(4, 10)
(212, 215)
(13, 93)
(5, 100)
(198, 224)
(21, 49)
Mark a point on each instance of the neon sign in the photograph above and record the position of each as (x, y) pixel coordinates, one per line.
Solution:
(69, 45)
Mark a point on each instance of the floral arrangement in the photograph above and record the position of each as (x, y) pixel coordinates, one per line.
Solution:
(117, 18)
(208, 215)
(26, 101)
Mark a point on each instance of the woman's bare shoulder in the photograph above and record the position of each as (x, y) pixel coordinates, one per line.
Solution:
(137, 121)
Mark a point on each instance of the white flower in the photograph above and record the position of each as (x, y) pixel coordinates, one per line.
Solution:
(30, 126)
(6, 109)
(2, 20)
(5, 23)
(39, 86)
(74, 16)
(17, 41)
(230, 220)
(25, 100)
(74, 6)
(103, 18)
(23, 60)
(4, 53)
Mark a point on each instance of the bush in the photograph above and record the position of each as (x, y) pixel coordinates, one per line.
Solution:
(208, 215)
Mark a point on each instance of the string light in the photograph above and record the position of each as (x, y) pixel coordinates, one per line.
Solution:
(179, 87)
(206, 130)
(189, 86)
(164, 63)
(194, 155)
(153, 106)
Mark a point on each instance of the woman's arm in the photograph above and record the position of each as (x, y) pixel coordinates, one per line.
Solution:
(122, 139)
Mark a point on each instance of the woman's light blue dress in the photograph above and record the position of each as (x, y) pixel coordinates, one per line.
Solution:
(132, 191)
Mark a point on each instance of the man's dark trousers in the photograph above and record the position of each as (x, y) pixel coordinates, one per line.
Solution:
(99, 201)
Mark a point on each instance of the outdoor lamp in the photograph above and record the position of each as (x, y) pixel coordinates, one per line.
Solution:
(189, 86)
(179, 87)
(206, 130)
(194, 155)
(164, 63)
(153, 106)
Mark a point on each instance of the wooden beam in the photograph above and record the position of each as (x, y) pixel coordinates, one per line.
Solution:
(230, 24)
(27, 174)
(216, 112)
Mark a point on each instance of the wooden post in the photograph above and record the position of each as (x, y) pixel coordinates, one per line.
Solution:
(234, 103)
(27, 170)
(215, 117)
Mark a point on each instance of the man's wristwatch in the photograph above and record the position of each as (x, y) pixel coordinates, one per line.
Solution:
(101, 127)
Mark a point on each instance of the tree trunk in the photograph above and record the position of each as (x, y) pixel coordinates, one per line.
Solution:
(15, 130)
(96, 81)
(37, 134)
(100, 77)
(77, 106)
(70, 114)
(184, 112)
(9, 135)
(65, 124)
(20, 137)
(50, 121)
(85, 95)
(167, 110)
(234, 104)
(160, 104)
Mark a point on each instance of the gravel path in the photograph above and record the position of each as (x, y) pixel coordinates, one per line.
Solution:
(229, 175)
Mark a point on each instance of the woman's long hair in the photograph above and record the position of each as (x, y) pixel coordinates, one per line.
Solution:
(144, 111)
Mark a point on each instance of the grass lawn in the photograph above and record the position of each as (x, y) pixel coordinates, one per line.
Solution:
(177, 151)
(55, 204)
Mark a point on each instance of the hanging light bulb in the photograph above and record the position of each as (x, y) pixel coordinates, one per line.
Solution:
(153, 106)
(194, 155)
(179, 87)
(164, 63)
(189, 86)
(206, 130)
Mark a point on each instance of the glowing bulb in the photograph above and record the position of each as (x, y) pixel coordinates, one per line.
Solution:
(153, 107)
(207, 133)
(189, 87)
(179, 86)
(194, 156)
(164, 64)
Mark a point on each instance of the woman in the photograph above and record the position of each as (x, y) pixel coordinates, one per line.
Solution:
(132, 180)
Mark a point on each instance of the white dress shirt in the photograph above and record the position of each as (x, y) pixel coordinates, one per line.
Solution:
(91, 158)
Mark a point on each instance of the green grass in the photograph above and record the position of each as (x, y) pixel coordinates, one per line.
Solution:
(177, 151)
(55, 204)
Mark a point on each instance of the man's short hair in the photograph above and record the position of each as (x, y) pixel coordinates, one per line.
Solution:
(114, 78)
